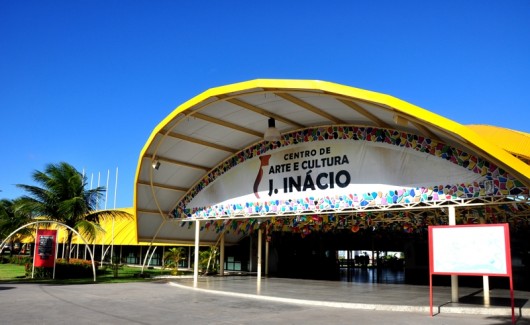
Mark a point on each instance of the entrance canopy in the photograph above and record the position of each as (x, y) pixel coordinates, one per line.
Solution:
(208, 160)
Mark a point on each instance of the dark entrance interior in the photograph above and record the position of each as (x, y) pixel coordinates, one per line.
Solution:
(398, 257)
(347, 256)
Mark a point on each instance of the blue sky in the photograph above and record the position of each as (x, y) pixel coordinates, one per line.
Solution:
(86, 82)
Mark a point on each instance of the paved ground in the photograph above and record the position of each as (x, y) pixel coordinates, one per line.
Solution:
(364, 295)
(237, 300)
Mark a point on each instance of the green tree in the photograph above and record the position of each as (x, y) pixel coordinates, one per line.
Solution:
(172, 257)
(208, 260)
(63, 197)
(12, 217)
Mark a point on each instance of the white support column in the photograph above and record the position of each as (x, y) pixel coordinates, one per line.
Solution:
(222, 255)
(486, 289)
(454, 278)
(259, 253)
(196, 257)
(485, 281)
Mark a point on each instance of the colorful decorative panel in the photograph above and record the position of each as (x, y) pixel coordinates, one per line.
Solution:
(490, 179)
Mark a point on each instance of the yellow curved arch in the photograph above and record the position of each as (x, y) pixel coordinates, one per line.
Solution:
(515, 142)
(466, 136)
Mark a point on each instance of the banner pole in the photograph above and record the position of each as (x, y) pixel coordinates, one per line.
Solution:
(112, 239)
(196, 257)
(454, 278)
(431, 268)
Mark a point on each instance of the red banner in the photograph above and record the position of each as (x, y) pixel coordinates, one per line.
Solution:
(45, 250)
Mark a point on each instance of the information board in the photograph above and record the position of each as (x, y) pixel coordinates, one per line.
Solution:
(470, 250)
(481, 250)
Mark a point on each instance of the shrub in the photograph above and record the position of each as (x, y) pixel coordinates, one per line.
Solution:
(74, 269)
(20, 259)
(38, 272)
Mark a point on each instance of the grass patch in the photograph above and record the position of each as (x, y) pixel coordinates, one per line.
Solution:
(9, 272)
(15, 273)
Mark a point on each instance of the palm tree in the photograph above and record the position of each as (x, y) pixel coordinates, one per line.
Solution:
(172, 257)
(208, 260)
(12, 218)
(63, 197)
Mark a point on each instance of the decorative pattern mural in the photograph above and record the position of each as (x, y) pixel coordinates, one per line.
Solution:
(406, 222)
(497, 181)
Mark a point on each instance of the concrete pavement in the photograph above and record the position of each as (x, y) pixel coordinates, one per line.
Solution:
(371, 296)
(236, 300)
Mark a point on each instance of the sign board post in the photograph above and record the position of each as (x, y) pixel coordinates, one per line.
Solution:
(45, 250)
(473, 250)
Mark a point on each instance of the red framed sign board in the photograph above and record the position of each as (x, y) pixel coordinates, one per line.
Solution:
(472, 250)
(45, 248)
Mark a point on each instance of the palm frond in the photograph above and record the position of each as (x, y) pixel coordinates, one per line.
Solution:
(62, 195)
(89, 230)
